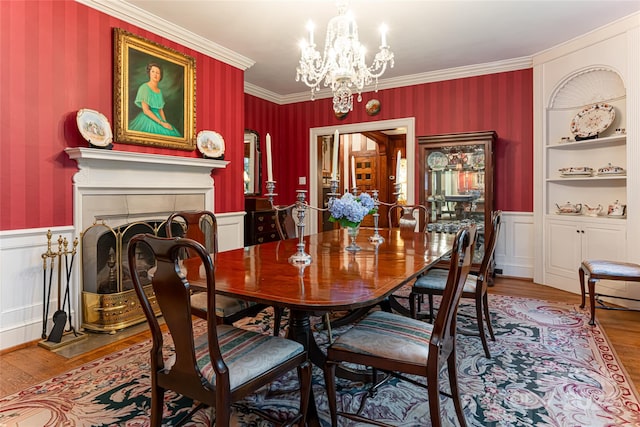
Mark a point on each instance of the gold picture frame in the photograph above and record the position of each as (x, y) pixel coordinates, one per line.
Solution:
(154, 92)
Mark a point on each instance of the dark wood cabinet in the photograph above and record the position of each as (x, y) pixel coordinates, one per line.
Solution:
(259, 222)
(456, 181)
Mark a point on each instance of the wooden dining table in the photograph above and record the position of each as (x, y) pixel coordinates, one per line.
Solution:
(335, 280)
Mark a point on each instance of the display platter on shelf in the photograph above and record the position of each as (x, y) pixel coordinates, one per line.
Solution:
(592, 120)
(210, 144)
(94, 127)
(437, 160)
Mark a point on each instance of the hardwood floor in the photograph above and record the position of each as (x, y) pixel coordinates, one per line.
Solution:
(31, 365)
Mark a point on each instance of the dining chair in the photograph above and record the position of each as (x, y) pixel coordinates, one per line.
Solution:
(399, 345)
(433, 282)
(220, 366)
(405, 218)
(202, 227)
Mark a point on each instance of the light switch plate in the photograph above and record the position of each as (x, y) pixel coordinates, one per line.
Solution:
(302, 180)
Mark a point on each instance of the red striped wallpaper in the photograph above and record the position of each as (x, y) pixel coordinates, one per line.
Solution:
(57, 59)
(502, 102)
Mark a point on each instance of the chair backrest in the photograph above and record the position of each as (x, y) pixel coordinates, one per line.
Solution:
(286, 222)
(442, 341)
(411, 216)
(489, 249)
(200, 226)
(172, 293)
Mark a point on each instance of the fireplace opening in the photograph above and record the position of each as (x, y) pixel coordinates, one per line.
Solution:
(108, 299)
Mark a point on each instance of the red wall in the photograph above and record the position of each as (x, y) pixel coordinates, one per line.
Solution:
(502, 102)
(57, 57)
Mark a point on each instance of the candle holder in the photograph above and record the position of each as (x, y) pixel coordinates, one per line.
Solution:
(300, 258)
(376, 237)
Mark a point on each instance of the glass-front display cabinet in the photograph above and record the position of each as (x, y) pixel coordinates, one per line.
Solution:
(456, 182)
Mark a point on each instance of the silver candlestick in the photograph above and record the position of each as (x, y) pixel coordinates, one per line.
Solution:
(376, 237)
(300, 257)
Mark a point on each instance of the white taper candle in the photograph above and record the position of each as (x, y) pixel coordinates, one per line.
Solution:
(353, 172)
(269, 166)
(334, 162)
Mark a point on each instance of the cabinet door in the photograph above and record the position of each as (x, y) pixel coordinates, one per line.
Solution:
(563, 248)
(605, 241)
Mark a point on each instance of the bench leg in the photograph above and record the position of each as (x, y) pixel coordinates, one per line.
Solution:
(582, 294)
(592, 300)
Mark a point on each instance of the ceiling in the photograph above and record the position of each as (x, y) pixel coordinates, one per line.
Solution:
(425, 36)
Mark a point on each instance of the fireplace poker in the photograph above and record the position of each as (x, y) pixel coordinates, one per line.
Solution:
(69, 267)
(46, 290)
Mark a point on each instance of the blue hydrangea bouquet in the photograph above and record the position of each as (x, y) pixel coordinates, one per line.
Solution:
(350, 210)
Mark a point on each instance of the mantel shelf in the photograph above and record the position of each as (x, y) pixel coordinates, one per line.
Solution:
(94, 154)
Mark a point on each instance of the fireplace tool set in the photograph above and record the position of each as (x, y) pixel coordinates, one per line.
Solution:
(61, 316)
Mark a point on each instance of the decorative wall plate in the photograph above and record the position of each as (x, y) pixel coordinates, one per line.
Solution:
(94, 127)
(592, 120)
(437, 160)
(372, 107)
(210, 144)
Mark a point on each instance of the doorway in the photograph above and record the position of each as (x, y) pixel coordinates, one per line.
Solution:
(376, 131)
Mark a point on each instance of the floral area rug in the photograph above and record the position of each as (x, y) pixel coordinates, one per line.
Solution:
(548, 368)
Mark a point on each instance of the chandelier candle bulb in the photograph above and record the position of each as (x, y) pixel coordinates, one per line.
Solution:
(269, 166)
(353, 171)
(383, 32)
(334, 162)
(310, 27)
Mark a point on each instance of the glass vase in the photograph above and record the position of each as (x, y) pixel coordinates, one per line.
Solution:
(353, 233)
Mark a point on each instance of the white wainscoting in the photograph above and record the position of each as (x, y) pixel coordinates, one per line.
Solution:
(21, 283)
(515, 247)
(21, 277)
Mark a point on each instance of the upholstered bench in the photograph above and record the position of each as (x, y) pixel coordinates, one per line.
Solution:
(607, 270)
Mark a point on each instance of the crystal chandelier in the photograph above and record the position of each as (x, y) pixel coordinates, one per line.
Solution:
(343, 65)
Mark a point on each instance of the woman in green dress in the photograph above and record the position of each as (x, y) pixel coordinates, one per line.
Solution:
(149, 97)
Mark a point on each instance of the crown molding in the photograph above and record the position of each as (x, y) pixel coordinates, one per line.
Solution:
(140, 18)
(415, 79)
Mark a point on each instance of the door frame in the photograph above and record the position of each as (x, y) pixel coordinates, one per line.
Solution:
(314, 133)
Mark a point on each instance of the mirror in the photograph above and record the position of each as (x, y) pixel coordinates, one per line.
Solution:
(252, 172)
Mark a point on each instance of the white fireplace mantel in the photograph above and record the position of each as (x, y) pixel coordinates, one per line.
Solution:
(123, 183)
(121, 169)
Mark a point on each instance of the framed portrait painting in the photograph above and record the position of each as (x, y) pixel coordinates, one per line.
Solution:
(154, 93)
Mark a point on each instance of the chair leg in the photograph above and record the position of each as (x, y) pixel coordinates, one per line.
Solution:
(433, 391)
(327, 325)
(487, 316)
(304, 377)
(453, 383)
(430, 308)
(412, 305)
(277, 319)
(157, 406)
(330, 384)
(480, 322)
